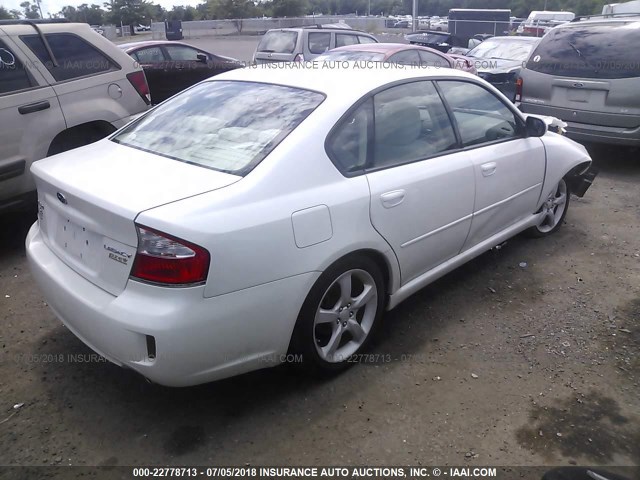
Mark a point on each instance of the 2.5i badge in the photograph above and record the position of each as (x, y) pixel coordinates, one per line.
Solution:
(118, 255)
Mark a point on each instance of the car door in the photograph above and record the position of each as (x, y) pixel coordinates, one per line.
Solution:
(188, 69)
(422, 190)
(154, 63)
(509, 167)
(30, 117)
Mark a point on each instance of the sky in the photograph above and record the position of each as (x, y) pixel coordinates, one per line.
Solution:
(54, 6)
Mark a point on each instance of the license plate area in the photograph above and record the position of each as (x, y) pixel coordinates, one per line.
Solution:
(75, 240)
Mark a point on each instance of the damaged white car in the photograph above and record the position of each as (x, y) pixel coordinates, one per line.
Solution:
(270, 211)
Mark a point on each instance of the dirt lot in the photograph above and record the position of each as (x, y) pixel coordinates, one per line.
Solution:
(528, 355)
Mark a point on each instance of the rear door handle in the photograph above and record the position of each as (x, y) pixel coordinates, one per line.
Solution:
(488, 169)
(33, 107)
(392, 199)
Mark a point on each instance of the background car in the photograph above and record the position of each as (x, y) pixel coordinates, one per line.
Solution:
(586, 73)
(500, 59)
(306, 43)
(51, 84)
(399, 53)
(268, 211)
(442, 41)
(402, 24)
(170, 67)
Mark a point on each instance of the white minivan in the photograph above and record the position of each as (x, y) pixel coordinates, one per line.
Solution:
(539, 21)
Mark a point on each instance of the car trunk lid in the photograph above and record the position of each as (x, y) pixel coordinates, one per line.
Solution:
(89, 199)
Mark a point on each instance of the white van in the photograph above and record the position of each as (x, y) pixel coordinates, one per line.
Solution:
(539, 21)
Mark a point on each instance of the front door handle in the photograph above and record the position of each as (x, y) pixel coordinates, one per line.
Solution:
(488, 169)
(33, 107)
(392, 199)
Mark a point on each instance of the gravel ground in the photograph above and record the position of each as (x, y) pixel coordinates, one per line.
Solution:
(528, 355)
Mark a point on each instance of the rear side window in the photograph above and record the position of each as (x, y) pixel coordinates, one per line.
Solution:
(76, 58)
(411, 124)
(319, 42)
(13, 76)
(223, 125)
(149, 55)
(364, 39)
(589, 51)
(278, 41)
(343, 40)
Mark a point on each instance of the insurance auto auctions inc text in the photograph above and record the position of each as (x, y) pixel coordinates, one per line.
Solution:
(376, 472)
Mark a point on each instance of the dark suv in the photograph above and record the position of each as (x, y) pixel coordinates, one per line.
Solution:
(587, 73)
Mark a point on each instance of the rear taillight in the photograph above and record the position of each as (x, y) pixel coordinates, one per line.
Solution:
(168, 260)
(139, 82)
(519, 83)
(299, 58)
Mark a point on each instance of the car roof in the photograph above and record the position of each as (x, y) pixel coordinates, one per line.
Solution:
(330, 79)
(515, 38)
(318, 28)
(385, 48)
(604, 20)
(53, 27)
(150, 43)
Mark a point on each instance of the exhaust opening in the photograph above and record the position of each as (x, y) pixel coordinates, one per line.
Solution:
(151, 347)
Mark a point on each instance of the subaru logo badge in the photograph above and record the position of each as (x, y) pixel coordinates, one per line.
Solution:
(62, 198)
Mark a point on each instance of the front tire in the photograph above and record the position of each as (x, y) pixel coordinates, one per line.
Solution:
(340, 315)
(555, 209)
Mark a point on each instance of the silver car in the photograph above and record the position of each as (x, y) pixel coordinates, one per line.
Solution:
(306, 43)
(587, 73)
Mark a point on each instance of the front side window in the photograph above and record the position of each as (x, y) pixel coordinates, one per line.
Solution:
(480, 115)
(405, 57)
(223, 125)
(431, 59)
(180, 52)
(411, 123)
(589, 51)
(13, 76)
(319, 42)
(76, 58)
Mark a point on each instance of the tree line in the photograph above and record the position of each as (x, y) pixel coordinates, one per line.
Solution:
(132, 12)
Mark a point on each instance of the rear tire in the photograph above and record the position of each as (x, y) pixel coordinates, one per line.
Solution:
(340, 315)
(555, 209)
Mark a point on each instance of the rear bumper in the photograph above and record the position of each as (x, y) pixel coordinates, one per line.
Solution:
(196, 339)
(584, 132)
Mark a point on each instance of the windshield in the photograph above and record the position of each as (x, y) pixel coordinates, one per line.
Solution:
(223, 125)
(337, 56)
(278, 41)
(589, 51)
(507, 50)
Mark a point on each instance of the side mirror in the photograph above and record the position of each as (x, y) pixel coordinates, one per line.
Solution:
(202, 58)
(535, 127)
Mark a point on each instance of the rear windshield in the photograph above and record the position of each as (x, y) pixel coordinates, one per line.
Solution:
(589, 51)
(337, 56)
(278, 41)
(223, 125)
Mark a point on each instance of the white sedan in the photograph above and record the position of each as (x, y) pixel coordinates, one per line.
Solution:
(271, 214)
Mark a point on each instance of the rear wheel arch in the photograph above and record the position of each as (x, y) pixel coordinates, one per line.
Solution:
(80, 135)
